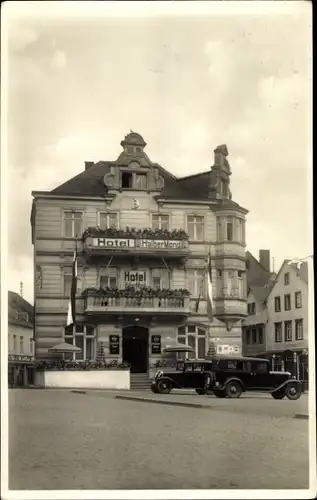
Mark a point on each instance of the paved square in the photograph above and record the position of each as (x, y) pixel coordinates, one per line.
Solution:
(64, 440)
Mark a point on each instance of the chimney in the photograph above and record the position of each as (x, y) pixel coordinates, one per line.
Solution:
(264, 258)
(89, 164)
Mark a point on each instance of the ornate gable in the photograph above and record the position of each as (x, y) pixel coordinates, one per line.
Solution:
(133, 169)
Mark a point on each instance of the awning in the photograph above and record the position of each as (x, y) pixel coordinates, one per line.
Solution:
(178, 348)
(65, 347)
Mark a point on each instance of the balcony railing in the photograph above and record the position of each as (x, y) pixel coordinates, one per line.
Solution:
(140, 305)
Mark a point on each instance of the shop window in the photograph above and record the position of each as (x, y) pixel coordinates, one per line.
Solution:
(195, 337)
(82, 336)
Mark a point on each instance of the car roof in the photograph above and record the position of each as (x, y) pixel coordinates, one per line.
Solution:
(231, 358)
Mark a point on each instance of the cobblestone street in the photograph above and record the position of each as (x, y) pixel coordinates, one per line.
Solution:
(66, 440)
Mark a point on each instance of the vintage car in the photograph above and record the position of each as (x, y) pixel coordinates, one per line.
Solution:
(227, 376)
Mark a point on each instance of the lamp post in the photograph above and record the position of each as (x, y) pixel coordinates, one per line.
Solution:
(273, 362)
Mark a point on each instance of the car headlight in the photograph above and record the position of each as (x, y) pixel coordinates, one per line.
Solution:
(158, 374)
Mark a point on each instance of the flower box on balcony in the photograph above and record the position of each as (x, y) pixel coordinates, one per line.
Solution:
(133, 233)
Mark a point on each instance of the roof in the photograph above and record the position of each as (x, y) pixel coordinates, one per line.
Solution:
(193, 187)
(262, 292)
(20, 311)
(257, 275)
(301, 272)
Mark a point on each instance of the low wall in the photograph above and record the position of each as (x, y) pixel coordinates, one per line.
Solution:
(84, 379)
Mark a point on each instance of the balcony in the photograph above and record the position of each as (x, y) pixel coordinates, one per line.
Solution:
(135, 242)
(141, 302)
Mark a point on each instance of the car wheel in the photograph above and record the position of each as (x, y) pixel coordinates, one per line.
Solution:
(293, 391)
(278, 394)
(154, 389)
(201, 392)
(164, 386)
(219, 394)
(233, 389)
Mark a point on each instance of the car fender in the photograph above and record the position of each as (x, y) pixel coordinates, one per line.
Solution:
(175, 384)
(285, 383)
(236, 379)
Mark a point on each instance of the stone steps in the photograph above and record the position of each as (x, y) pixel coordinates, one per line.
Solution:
(139, 381)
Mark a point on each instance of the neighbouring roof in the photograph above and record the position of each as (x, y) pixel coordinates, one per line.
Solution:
(257, 275)
(262, 292)
(20, 311)
(302, 272)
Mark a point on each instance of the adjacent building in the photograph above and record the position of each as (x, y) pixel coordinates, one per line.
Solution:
(260, 281)
(21, 364)
(277, 323)
(142, 237)
(287, 306)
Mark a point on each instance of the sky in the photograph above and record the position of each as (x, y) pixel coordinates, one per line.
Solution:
(76, 84)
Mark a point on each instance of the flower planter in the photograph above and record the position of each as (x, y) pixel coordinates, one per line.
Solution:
(112, 379)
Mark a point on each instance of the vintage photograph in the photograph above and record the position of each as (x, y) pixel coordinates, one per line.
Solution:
(157, 272)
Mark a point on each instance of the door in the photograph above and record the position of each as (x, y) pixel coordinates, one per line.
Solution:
(257, 376)
(135, 348)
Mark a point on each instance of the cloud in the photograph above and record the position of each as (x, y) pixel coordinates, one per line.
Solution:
(59, 60)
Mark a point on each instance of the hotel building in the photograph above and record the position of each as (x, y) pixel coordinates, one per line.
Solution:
(143, 237)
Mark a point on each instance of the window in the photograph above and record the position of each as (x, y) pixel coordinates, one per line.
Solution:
(219, 273)
(140, 181)
(107, 220)
(196, 227)
(240, 230)
(286, 279)
(133, 180)
(287, 302)
(157, 282)
(21, 345)
(160, 278)
(277, 304)
(195, 282)
(299, 331)
(109, 281)
(229, 284)
(227, 364)
(82, 336)
(31, 347)
(251, 308)
(248, 336)
(160, 221)
(241, 292)
(278, 332)
(260, 335)
(219, 229)
(288, 331)
(73, 224)
(195, 337)
(229, 229)
(298, 300)
(126, 180)
(14, 344)
(259, 367)
(254, 336)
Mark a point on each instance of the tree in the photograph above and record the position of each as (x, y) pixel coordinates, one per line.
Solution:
(212, 351)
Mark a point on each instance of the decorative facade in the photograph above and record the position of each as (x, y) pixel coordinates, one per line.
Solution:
(142, 238)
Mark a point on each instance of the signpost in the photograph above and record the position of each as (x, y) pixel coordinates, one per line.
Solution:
(114, 344)
(121, 243)
(156, 344)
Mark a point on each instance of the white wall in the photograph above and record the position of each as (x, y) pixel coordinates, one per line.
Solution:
(20, 331)
(84, 379)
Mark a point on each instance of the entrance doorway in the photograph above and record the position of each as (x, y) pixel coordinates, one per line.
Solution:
(135, 348)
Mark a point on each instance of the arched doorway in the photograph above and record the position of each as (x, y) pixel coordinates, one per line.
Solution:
(135, 348)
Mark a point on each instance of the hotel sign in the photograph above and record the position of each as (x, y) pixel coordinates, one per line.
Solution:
(21, 359)
(136, 243)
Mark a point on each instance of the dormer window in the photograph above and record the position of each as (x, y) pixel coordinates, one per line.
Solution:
(126, 180)
(133, 180)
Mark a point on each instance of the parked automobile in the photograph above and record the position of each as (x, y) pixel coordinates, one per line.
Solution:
(227, 376)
